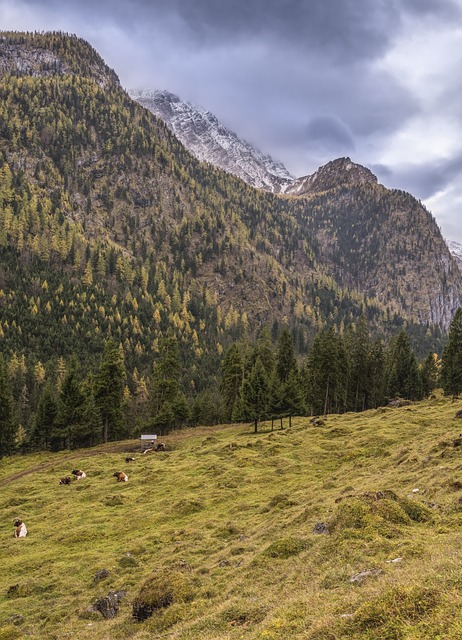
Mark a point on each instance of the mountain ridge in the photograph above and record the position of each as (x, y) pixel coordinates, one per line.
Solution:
(209, 140)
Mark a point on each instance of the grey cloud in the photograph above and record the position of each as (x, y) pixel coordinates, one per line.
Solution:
(345, 30)
(427, 179)
(330, 134)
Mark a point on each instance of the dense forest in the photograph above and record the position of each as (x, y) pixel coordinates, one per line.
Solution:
(71, 407)
(119, 249)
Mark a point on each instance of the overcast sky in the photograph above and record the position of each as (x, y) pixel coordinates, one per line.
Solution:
(306, 81)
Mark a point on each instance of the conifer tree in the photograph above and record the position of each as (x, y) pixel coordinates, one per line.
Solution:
(70, 418)
(256, 395)
(232, 375)
(165, 383)
(429, 374)
(292, 400)
(45, 418)
(451, 367)
(109, 390)
(286, 362)
(403, 375)
(7, 423)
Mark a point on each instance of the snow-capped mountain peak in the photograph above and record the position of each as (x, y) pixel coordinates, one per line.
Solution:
(210, 141)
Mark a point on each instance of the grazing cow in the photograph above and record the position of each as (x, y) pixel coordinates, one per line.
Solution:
(20, 530)
(121, 476)
(129, 459)
(79, 474)
(160, 446)
(65, 480)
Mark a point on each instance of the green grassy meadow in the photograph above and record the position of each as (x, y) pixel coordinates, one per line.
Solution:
(229, 516)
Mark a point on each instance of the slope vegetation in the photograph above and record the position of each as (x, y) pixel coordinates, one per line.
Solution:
(216, 538)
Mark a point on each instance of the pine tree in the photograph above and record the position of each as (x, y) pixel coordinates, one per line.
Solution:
(8, 427)
(359, 355)
(403, 375)
(109, 390)
(165, 383)
(70, 418)
(232, 375)
(256, 395)
(286, 362)
(429, 374)
(292, 403)
(451, 367)
(45, 418)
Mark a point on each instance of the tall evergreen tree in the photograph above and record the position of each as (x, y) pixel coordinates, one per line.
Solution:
(256, 396)
(327, 373)
(429, 374)
(7, 424)
(359, 356)
(69, 422)
(286, 362)
(451, 367)
(403, 375)
(45, 418)
(292, 400)
(232, 376)
(166, 376)
(109, 390)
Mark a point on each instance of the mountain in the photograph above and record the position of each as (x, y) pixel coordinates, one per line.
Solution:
(210, 141)
(427, 286)
(110, 227)
(382, 242)
(339, 172)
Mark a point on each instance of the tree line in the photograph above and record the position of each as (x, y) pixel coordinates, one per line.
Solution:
(71, 407)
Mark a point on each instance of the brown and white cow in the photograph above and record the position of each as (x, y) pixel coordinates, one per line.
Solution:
(79, 474)
(65, 480)
(20, 529)
(121, 476)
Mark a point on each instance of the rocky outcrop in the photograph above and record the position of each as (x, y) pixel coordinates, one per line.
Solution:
(210, 141)
(341, 171)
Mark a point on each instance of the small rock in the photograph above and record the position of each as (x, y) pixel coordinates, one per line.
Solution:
(362, 575)
(16, 619)
(108, 606)
(395, 560)
(415, 491)
(320, 528)
(101, 575)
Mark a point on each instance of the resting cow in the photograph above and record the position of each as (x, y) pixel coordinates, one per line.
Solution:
(129, 459)
(79, 474)
(121, 476)
(20, 530)
(65, 480)
(160, 446)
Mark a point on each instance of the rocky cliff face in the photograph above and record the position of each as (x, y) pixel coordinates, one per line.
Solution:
(341, 171)
(210, 141)
(50, 54)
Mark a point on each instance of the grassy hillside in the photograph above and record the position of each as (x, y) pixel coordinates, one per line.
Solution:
(228, 516)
